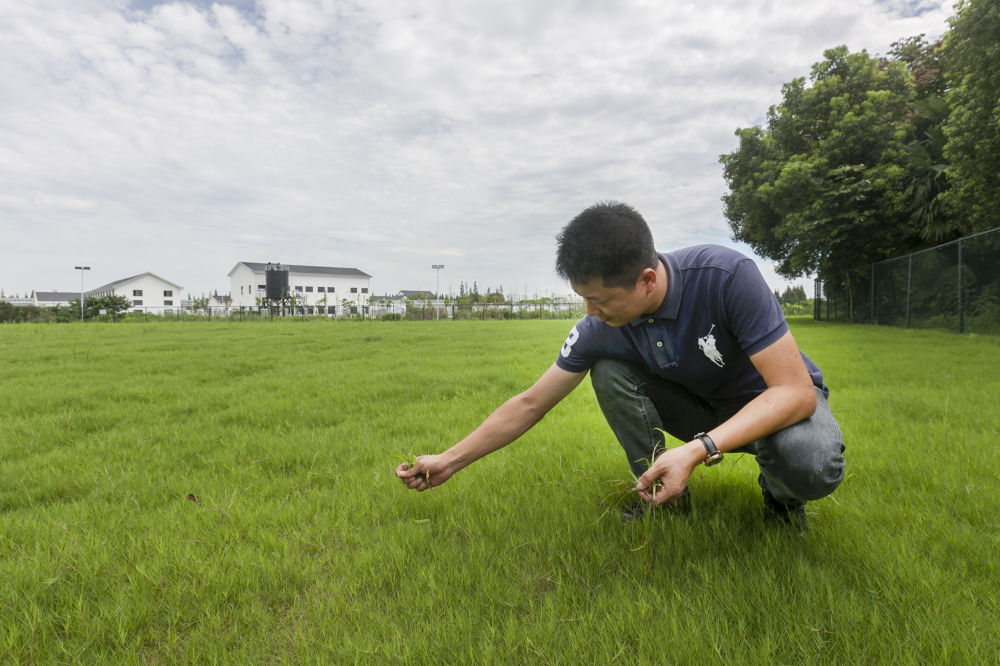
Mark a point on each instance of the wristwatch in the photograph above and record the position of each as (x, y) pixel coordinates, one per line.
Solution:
(714, 456)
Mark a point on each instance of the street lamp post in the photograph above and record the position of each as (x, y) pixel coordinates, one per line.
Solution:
(437, 294)
(81, 269)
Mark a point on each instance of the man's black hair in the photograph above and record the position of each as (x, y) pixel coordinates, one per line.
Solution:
(609, 240)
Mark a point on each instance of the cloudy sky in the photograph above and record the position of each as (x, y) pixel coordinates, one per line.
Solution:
(183, 137)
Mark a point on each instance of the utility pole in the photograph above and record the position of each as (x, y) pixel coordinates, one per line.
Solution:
(81, 269)
(437, 294)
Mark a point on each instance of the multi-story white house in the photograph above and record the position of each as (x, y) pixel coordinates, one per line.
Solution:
(146, 292)
(316, 289)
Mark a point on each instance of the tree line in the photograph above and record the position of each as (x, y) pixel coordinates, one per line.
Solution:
(872, 157)
(105, 307)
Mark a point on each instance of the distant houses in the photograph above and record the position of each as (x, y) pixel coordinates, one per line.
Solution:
(53, 299)
(146, 292)
(415, 295)
(311, 290)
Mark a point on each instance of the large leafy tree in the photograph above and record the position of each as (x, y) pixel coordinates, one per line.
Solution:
(972, 68)
(924, 152)
(113, 305)
(820, 190)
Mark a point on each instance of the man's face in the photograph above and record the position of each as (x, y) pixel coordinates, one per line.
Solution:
(615, 306)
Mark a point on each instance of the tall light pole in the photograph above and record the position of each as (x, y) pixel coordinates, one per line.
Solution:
(437, 294)
(81, 269)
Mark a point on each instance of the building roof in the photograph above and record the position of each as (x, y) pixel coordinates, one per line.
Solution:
(118, 283)
(56, 296)
(405, 293)
(305, 270)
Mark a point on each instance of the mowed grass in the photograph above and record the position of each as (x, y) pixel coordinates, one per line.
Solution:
(199, 492)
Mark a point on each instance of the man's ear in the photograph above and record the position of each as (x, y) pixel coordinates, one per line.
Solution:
(647, 278)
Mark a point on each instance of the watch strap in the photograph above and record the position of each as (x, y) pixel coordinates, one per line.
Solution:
(712, 453)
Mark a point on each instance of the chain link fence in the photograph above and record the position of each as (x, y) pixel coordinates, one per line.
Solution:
(414, 311)
(954, 286)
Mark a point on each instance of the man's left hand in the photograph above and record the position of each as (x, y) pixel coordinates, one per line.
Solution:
(667, 477)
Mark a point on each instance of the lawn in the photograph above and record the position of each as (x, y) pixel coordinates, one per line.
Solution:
(212, 491)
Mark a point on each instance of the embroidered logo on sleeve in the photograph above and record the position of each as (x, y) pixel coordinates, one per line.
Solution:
(567, 347)
(707, 346)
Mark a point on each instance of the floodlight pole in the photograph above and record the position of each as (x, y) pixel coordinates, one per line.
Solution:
(437, 293)
(81, 269)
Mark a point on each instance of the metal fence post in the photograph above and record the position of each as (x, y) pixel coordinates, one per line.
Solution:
(816, 312)
(961, 311)
(909, 277)
(871, 298)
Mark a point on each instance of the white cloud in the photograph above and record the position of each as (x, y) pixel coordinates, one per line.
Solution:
(181, 137)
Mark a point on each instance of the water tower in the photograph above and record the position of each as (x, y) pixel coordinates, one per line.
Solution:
(276, 281)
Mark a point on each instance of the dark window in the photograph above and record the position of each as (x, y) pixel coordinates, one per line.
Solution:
(354, 290)
(137, 292)
(331, 289)
(320, 310)
(168, 302)
(262, 287)
(298, 288)
(364, 290)
(168, 293)
(137, 303)
(309, 290)
(321, 289)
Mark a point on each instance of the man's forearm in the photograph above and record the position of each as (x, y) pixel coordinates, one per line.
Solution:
(776, 408)
(511, 420)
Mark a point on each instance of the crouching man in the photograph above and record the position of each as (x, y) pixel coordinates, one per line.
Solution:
(690, 342)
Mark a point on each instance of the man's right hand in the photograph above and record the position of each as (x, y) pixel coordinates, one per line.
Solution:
(426, 472)
(511, 420)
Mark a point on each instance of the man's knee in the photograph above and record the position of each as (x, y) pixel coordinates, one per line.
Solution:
(817, 480)
(808, 460)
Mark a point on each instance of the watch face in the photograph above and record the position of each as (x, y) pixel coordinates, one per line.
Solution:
(713, 460)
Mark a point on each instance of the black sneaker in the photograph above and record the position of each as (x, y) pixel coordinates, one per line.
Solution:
(680, 505)
(778, 512)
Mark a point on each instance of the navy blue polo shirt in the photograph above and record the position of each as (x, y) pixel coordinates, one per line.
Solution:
(718, 311)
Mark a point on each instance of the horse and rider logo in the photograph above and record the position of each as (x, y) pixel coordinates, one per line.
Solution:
(707, 346)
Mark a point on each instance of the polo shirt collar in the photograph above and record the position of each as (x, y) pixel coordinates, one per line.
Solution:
(672, 302)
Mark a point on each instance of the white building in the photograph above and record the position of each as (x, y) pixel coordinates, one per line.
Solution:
(54, 299)
(19, 301)
(317, 289)
(146, 292)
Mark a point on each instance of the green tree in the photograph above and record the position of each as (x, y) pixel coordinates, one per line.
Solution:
(972, 69)
(927, 173)
(820, 190)
(8, 313)
(494, 297)
(796, 293)
(923, 60)
(113, 306)
(924, 152)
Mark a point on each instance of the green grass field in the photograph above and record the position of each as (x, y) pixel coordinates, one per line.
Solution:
(199, 492)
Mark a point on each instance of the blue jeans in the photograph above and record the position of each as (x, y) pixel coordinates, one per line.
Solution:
(799, 463)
